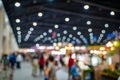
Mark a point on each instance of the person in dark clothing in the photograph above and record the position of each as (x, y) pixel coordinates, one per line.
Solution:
(76, 71)
(12, 60)
(61, 61)
(5, 61)
(41, 62)
(70, 64)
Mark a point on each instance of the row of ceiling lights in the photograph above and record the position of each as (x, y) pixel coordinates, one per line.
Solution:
(58, 35)
(40, 14)
(57, 26)
(50, 31)
(29, 33)
(63, 39)
(70, 35)
(86, 7)
(19, 34)
(69, 38)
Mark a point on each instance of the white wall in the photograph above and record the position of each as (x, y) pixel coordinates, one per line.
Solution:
(8, 42)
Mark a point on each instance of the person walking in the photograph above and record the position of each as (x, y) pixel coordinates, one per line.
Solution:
(53, 68)
(76, 71)
(34, 62)
(46, 71)
(12, 60)
(70, 64)
(41, 63)
(19, 59)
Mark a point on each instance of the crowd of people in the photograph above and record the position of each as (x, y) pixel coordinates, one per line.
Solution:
(8, 63)
(47, 65)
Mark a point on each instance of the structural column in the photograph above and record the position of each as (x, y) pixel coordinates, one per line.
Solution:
(6, 38)
(1, 30)
(14, 45)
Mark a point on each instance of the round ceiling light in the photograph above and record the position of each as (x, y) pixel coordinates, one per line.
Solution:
(89, 30)
(17, 4)
(106, 25)
(40, 14)
(74, 28)
(18, 28)
(58, 34)
(86, 7)
(56, 26)
(44, 33)
(17, 20)
(41, 36)
(70, 35)
(34, 23)
(101, 35)
(112, 13)
(67, 19)
(19, 32)
(103, 31)
(78, 33)
(65, 32)
(50, 30)
(29, 32)
(31, 29)
(88, 22)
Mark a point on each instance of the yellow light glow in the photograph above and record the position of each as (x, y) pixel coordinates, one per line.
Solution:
(112, 48)
(104, 52)
(91, 51)
(57, 48)
(72, 48)
(115, 43)
(102, 48)
(96, 52)
(59, 44)
(66, 47)
(70, 45)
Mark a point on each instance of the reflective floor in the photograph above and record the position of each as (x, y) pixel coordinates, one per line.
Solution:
(25, 73)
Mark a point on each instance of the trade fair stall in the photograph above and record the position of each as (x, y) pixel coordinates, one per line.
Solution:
(94, 61)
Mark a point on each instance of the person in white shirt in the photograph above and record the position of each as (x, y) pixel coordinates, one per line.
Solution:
(18, 61)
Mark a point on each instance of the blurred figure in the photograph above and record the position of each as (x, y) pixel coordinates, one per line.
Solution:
(70, 64)
(62, 61)
(46, 71)
(41, 62)
(52, 66)
(19, 59)
(5, 70)
(75, 71)
(66, 59)
(12, 60)
(34, 62)
(23, 56)
(5, 61)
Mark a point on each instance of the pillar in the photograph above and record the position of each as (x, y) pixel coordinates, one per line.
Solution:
(1, 31)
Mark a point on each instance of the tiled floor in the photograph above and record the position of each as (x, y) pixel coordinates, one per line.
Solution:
(25, 73)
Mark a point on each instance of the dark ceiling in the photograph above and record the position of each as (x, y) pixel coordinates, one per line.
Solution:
(82, 27)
